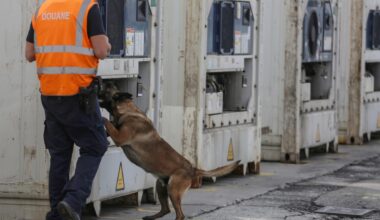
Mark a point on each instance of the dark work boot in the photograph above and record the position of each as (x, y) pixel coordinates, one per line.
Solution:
(66, 212)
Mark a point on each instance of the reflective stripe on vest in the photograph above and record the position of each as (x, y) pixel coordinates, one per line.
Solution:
(65, 49)
(66, 70)
(79, 32)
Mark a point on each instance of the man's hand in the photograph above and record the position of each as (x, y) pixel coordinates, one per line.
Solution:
(29, 52)
(101, 46)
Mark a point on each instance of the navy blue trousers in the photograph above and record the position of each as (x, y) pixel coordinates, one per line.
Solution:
(67, 124)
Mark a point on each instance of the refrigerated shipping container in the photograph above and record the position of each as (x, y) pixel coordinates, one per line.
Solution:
(359, 85)
(298, 80)
(210, 105)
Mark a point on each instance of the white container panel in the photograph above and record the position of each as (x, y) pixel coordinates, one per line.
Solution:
(214, 103)
(105, 182)
(226, 145)
(111, 181)
(369, 84)
(173, 74)
(225, 63)
(372, 56)
(305, 92)
(213, 152)
(172, 128)
(318, 128)
(372, 117)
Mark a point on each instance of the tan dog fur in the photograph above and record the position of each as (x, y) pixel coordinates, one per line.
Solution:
(143, 146)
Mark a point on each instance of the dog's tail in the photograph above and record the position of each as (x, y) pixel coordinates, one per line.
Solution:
(221, 171)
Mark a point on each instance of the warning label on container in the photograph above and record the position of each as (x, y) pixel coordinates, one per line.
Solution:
(120, 184)
(134, 41)
(139, 43)
(130, 42)
(230, 156)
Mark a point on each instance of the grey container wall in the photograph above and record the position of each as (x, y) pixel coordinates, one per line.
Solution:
(299, 111)
(359, 98)
(24, 159)
(273, 73)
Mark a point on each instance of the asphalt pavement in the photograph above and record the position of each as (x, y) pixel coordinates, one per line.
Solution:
(349, 179)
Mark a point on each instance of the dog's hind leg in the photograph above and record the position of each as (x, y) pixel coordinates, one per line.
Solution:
(179, 183)
(163, 196)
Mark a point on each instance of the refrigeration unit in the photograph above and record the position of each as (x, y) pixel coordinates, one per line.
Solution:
(218, 118)
(318, 105)
(306, 111)
(230, 119)
(229, 73)
(130, 66)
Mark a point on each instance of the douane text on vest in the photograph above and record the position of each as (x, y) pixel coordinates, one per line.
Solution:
(55, 16)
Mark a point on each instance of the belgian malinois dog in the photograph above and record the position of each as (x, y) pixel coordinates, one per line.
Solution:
(134, 132)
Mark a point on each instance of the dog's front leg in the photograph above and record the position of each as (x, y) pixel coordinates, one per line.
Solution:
(113, 132)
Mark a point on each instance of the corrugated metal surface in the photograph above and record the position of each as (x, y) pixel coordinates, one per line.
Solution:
(173, 78)
(22, 151)
(276, 31)
(343, 66)
(272, 74)
(23, 158)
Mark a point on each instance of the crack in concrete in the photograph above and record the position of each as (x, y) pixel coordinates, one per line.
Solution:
(296, 215)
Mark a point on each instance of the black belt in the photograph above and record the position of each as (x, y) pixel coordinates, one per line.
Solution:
(59, 98)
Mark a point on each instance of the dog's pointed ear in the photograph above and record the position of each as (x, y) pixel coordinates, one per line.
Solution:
(121, 96)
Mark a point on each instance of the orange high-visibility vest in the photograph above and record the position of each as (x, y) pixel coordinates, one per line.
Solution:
(64, 55)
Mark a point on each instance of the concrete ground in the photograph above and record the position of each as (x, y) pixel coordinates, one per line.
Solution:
(348, 179)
